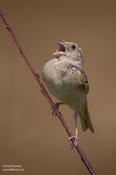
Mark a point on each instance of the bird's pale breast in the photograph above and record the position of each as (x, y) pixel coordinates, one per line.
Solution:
(62, 81)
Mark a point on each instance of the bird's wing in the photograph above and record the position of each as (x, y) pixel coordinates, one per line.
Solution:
(84, 84)
(82, 78)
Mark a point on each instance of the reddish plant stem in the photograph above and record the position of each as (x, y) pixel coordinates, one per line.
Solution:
(43, 90)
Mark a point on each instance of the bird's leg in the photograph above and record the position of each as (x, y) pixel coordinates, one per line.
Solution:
(55, 107)
(75, 137)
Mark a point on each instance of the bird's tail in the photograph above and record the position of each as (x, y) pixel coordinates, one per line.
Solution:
(85, 118)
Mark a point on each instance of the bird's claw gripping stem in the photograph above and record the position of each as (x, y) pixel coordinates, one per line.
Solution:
(74, 141)
(55, 107)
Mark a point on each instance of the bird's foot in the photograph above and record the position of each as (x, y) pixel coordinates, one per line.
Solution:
(55, 107)
(74, 141)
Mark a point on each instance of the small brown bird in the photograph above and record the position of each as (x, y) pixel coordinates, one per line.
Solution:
(66, 80)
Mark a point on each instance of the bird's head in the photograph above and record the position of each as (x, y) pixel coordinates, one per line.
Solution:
(69, 49)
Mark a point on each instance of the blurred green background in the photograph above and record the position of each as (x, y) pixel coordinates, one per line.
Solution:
(29, 135)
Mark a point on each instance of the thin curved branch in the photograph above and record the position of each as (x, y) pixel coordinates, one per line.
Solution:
(43, 90)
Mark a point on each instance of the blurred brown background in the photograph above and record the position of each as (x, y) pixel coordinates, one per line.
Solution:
(29, 135)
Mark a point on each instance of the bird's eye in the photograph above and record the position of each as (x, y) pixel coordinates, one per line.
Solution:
(73, 47)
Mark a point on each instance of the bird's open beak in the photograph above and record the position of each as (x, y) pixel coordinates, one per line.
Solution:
(62, 47)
